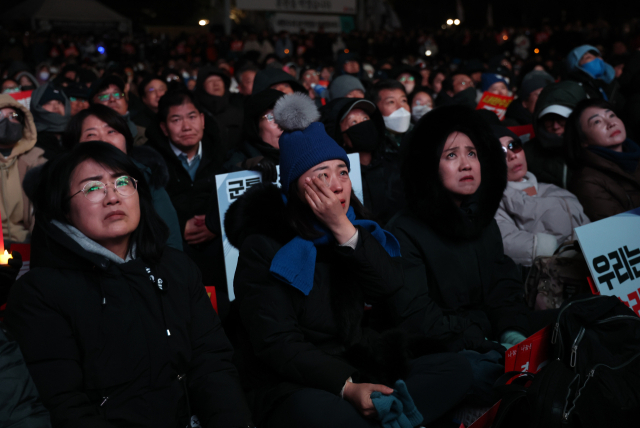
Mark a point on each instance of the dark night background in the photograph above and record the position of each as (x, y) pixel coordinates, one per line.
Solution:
(413, 13)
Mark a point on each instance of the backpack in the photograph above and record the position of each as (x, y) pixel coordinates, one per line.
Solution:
(553, 279)
(593, 379)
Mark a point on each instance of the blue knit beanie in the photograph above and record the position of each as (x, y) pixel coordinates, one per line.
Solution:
(489, 79)
(304, 142)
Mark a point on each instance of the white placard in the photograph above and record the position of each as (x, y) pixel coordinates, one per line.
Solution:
(611, 248)
(306, 6)
(231, 186)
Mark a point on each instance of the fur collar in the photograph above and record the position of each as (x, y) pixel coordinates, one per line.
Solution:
(426, 196)
(260, 210)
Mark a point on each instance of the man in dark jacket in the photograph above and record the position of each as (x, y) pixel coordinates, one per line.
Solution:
(212, 93)
(193, 160)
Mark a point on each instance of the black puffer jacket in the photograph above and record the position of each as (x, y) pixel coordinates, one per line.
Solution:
(289, 340)
(107, 348)
(456, 273)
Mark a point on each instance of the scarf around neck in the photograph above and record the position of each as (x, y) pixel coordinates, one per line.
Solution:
(627, 159)
(294, 263)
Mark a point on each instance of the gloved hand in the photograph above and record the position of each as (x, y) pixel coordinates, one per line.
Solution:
(8, 274)
(489, 345)
(264, 166)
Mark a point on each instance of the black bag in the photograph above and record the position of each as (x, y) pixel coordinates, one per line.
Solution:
(594, 377)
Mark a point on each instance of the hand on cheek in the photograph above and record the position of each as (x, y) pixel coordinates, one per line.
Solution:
(327, 207)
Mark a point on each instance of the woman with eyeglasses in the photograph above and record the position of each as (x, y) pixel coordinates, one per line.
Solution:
(101, 123)
(115, 327)
(534, 218)
(260, 149)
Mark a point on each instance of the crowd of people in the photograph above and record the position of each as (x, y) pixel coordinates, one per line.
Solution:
(395, 310)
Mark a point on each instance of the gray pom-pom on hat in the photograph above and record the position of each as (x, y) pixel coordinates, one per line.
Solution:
(295, 112)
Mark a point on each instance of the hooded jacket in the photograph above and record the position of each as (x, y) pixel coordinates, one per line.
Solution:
(228, 117)
(605, 87)
(252, 145)
(48, 124)
(545, 153)
(122, 344)
(16, 208)
(381, 184)
(604, 188)
(270, 76)
(533, 226)
(459, 286)
(289, 341)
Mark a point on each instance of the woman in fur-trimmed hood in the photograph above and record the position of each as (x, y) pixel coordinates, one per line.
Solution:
(308, 262)
(459, 287)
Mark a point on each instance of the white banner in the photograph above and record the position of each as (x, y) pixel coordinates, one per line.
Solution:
(308, 6)
(293, 23)
(611, 248)
(231, 186)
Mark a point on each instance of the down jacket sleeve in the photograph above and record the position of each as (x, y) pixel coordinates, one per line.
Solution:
(597, 196)
(268, 311)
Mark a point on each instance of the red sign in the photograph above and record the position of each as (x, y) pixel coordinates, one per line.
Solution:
(23, 98)
(525, 132)
(494, 102)
(211, 292)
(25, 252)
(531, 354)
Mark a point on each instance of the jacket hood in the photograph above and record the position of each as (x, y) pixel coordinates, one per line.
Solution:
(270, 76)
(29, 134)
(254, 107)
(573, 62)
(47, 121)
(206, 71)
(213, 103)
(567, 94)
(335, 109)
(260, 210)
(30, 76)
(427, 197)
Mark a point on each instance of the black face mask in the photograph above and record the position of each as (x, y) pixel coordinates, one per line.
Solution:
(10, 133)
(364, 136)
(28, 87)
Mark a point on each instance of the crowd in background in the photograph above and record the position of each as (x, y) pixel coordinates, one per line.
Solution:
(323, 298)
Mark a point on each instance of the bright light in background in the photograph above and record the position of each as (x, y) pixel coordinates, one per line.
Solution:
(101, 50)
(449, 21)
(203, 22)
(346, 51)
(286, 51)
(456, 22)
(505, 37)
(536, 51)
(428, 53)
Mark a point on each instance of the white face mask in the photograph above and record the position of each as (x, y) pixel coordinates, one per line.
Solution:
(418, 111)
(44, 76)
(398, 121)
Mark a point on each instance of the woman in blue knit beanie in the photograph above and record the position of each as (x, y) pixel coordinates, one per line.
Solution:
(309, 260)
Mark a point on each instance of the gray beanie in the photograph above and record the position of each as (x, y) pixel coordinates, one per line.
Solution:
(532, 81)
(342, 85)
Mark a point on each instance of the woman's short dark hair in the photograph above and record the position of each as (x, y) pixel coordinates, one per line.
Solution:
(574, 136)
(142, 93)
(51, 199)
(302, 218)
(73, 132)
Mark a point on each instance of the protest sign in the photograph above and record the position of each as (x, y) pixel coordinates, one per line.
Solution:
(530, 355)
(611, 247)
(525, 132)
(494, 102)
(23, 98)
(231, 186)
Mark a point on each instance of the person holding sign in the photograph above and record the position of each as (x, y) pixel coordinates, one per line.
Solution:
(606, 176)
(115, 327)
(308, 262)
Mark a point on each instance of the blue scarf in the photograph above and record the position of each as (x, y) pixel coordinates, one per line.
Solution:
(398, 409)
(295, 263)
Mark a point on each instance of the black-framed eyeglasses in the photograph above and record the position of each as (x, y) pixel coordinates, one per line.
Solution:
(514, 145)
(95, 191)
(105, 97)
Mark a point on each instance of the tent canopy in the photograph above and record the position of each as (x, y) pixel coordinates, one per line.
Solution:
(64, 11)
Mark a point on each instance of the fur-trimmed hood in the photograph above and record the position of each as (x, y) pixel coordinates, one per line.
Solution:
(260, 210)
(426, 196)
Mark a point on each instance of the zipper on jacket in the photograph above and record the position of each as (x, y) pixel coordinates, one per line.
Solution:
(574, 348)
(567, 413)
(104, 400)
(556, 330)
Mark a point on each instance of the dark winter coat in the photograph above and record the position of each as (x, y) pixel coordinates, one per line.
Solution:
(107, 348)
(191, 197)
(603, 188)
(20, 405)
(518, 114)
(456, 272)
(290, 340)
